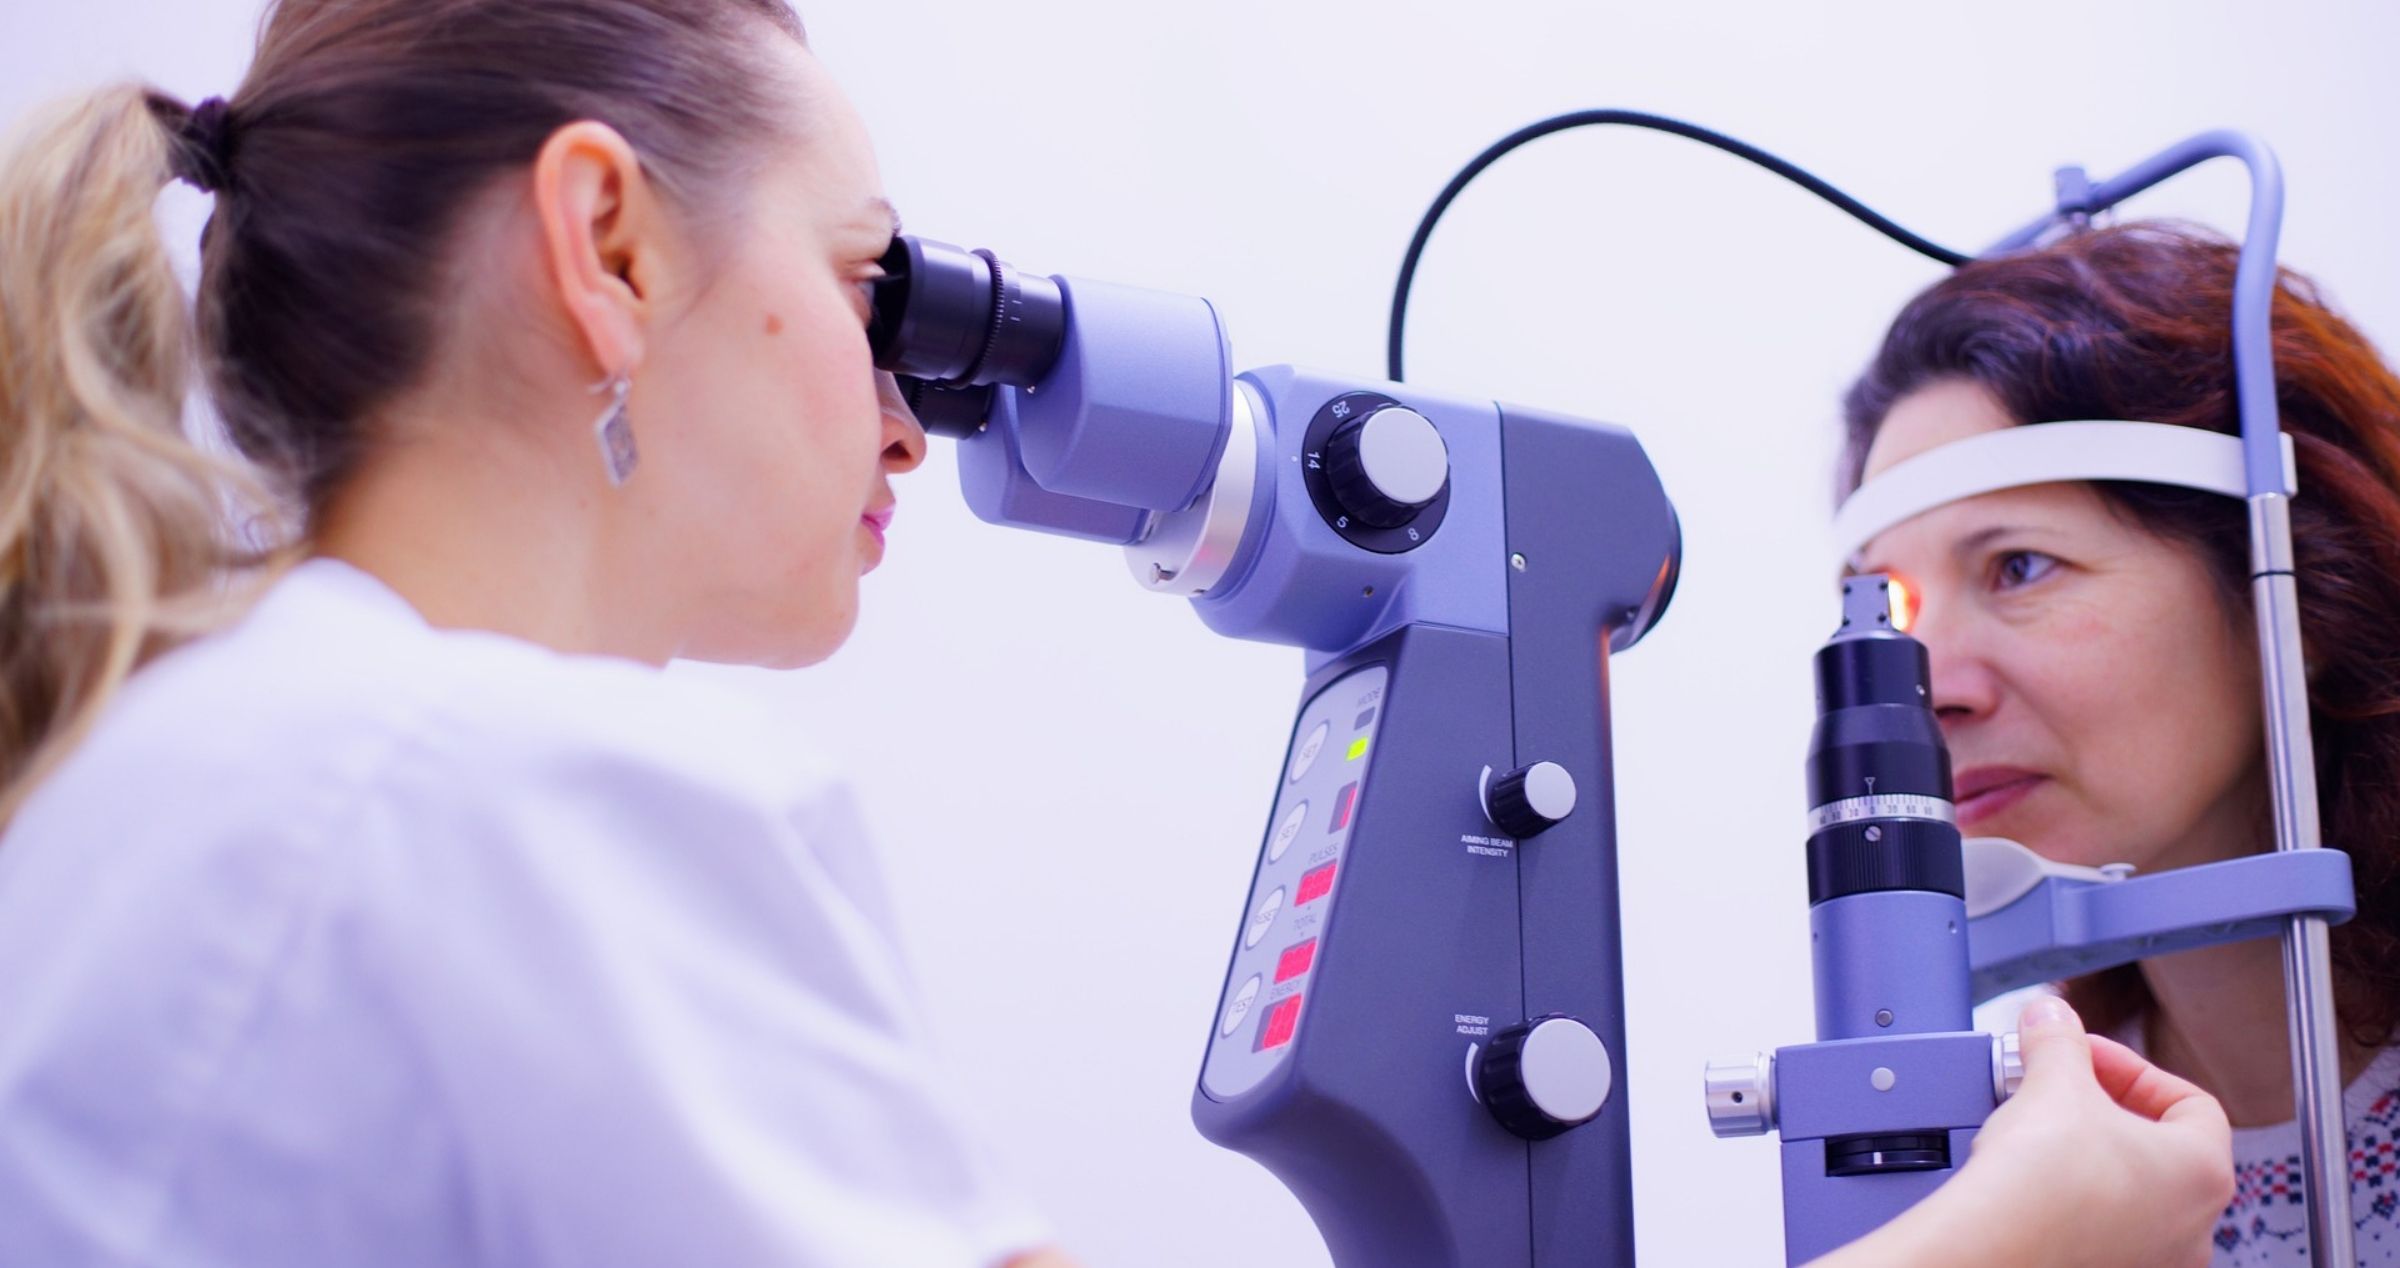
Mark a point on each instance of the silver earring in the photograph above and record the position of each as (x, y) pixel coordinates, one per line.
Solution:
(614, 431)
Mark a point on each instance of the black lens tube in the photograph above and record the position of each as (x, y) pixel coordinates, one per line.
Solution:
(962, 319)
(956, 412)
(1880, 814)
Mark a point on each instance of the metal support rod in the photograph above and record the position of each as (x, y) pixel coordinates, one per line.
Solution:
(2307, 954)
(2291, 758)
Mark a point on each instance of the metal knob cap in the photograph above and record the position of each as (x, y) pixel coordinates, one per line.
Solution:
(1542, 1077)
(2008, 1066)
(1388, 467)
(1530, 799)
(1741, 1096)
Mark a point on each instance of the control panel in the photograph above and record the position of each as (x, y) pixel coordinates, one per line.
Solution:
(1262, 1009)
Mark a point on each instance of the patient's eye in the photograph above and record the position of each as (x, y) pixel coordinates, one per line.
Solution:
(2021, 568)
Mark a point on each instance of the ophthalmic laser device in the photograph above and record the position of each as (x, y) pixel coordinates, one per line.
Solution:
(1421, 1026)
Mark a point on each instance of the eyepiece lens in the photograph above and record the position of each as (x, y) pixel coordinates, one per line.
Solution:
(963, 318)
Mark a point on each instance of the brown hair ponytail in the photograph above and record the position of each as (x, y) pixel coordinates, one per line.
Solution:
(343, 167)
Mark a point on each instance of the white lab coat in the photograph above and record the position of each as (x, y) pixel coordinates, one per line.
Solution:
(349, 941)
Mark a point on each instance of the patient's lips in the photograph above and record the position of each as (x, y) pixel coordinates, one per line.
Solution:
(1985, 791)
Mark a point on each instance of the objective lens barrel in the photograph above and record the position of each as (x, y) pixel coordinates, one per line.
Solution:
(1886, 880)
(1879, 793)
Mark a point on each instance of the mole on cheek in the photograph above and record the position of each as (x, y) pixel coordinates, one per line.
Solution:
(774, 324)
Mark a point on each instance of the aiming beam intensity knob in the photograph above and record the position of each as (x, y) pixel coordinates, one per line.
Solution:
(1545, 1076)
(1388, 467)
(1530, 800)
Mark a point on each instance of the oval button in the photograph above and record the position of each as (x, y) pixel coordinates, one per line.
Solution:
(1287, 832)
(1263, 919)
(1305, 756)
(1239, 1006)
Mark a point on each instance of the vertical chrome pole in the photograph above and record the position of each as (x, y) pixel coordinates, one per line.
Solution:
(2307, 957)
(2274, 593)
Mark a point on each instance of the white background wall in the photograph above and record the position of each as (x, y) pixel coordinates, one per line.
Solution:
(1070, 777)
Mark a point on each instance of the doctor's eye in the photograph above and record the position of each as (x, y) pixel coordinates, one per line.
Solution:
(864, 277)
(2021, 568)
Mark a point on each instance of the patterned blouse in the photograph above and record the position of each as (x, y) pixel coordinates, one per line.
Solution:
(2267, 1224)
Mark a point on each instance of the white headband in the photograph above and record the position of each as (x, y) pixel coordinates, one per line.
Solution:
(2045, 453)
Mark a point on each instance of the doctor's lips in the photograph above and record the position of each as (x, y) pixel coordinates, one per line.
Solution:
(879, 522)
(1984, 791)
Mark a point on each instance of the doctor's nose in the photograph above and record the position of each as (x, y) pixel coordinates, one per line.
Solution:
(903, 435)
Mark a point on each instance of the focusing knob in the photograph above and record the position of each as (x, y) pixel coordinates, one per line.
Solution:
(2008, 1066)
(1530, 799)
(1387, 467)
(1540, 1078)
(1741, 1096)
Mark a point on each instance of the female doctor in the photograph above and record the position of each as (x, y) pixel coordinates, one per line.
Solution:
(388, 906)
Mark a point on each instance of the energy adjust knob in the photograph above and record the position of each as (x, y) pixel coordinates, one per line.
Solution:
(1542, 1077)
(1530, 799)
(1386, 468)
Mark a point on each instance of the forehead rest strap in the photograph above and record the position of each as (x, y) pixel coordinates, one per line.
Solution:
(2044, 453)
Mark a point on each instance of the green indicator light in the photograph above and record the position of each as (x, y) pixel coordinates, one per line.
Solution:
(1358, 749)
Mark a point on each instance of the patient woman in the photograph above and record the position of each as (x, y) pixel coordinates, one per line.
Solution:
(2095, 668)
(391, 907)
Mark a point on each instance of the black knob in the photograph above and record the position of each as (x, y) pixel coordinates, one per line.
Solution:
(1545, 1076)
(1387, 467)
(1530, 799)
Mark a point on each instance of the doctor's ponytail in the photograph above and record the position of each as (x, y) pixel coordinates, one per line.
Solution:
(345, 167)
(112, 524)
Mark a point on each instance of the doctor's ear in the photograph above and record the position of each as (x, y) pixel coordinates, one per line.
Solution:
(604, 241)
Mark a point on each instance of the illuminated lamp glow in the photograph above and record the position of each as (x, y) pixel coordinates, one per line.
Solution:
(1904, 605)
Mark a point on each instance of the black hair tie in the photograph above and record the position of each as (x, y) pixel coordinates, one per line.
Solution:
(205, 157)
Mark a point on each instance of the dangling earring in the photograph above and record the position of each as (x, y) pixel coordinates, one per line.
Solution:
(614, 431)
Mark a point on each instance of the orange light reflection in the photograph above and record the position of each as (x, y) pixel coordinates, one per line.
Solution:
(1904, 605)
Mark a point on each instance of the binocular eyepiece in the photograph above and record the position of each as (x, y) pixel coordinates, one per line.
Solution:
(953, 324)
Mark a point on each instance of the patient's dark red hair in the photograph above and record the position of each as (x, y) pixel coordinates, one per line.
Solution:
(2134, 322)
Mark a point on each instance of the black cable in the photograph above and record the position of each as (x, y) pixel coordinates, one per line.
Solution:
(1630, 118)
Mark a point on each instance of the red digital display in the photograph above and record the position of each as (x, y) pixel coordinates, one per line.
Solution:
(1343, 804)
(1295, 960)
(1275, 1029)
(1314, 884)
